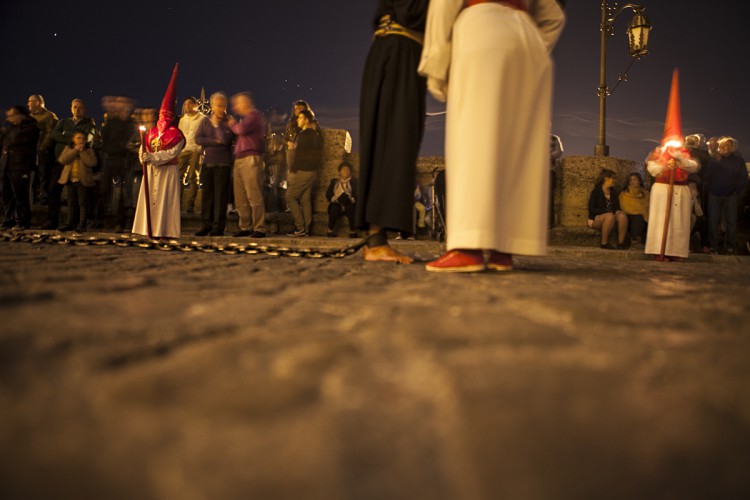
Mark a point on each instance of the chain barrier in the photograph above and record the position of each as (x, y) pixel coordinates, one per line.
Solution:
(181, 246)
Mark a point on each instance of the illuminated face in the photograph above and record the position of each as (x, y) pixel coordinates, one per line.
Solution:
(726, 148)
(189, 106)
(219, 106)
(346, 172)
(79, 139)
(14, 117)
(302, 121)
(608, 182)
(298, 108)
(634, 182)
(77, 109)
(34, 104)
(242, 105)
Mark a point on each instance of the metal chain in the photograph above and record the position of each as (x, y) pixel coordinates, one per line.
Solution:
(182, 246)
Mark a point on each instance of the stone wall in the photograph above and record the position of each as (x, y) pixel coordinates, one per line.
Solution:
(576, 177)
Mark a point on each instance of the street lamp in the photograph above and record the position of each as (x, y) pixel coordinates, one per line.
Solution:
(638, 32)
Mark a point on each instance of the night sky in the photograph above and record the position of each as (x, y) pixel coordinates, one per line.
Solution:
(284, 50)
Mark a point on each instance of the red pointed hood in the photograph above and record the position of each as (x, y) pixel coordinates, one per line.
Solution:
(673, 121)
(169, 104)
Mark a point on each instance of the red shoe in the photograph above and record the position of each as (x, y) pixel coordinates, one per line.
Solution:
(458, 261)
(500, 261)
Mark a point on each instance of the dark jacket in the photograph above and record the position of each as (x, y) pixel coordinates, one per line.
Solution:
(308, 153)
(598, 203)
(19, 143)
(63, 132)
(216, 142)
(115, 136)
(725, 176)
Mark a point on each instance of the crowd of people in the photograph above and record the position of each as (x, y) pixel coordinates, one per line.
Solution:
(710, 182)
(498, 175)
(97, 169)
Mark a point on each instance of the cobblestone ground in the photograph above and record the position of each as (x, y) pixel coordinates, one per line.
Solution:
(131, 373)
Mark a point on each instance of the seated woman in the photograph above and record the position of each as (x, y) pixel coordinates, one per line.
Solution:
(634, 203)
(340, 196)
(604, 211)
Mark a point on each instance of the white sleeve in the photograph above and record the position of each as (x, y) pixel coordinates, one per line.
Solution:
(654, 168)
(550, 18)
(162, 157)
(689, 165)
(436, 53)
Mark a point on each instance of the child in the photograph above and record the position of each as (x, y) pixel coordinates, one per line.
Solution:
(77, 177)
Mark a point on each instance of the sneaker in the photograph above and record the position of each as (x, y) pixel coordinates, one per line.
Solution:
(66, 227)
(499, 261)
(607, 246)
(203, 232)
(297, 232)
(353, 234)
(458, 261)
(20, 227)
(330, 234)
(80, 229)
(257, 234)
(730, 251)
(242, 233)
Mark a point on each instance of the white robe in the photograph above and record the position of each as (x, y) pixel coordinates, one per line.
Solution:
(491, 64)
(164, 190)
(678, 231)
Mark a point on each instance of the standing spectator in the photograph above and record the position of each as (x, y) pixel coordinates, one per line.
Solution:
(117, 168)
(62, 135)
(391, 125)
(490, 61)
(215, 136)
(340, 196)
(292, 129)
(162, 145)
(17, 163)
(46, 121)
(308, 151)
(634, 203)
(249, 169)
(604, 211)
(78, 179)
(189, 159)
(556, 151)
(725, 179)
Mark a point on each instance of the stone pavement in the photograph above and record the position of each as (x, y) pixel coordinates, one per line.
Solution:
(139, 374)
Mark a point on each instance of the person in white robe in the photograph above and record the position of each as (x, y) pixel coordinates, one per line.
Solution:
(489, 61)
(678, 229)
(159, 150)
(164, 192)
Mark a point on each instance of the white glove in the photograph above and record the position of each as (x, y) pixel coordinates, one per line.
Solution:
(145, 157)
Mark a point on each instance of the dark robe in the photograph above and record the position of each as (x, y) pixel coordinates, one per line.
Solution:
(392, 113)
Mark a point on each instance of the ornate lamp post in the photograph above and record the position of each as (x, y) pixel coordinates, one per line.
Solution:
(638, 32)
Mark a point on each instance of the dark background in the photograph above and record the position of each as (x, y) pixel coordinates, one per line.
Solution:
(290, 49)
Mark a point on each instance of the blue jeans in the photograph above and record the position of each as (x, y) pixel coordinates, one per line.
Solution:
(726, 205)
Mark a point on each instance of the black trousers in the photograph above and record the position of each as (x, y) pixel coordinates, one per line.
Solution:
(637, 226)
(78, 203)
(113, 188)
(54, 193)
(215, 179)
(15, 192)
(335, 210)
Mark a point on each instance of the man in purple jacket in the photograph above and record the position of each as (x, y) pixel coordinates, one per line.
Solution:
(249, 170)
(215, 136)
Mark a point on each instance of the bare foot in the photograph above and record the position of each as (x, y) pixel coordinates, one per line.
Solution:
(385, 253)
